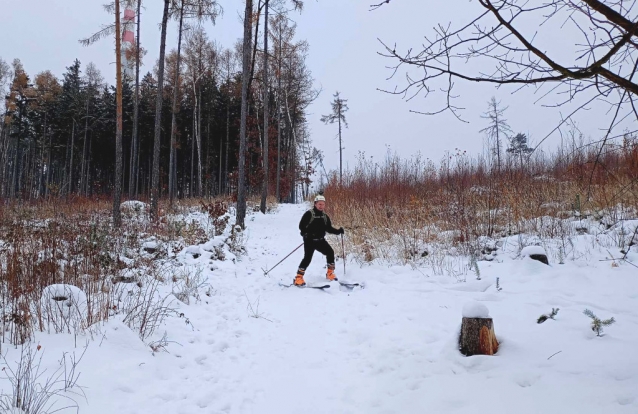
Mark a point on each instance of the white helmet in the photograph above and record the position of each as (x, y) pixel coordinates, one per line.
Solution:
(320, 198)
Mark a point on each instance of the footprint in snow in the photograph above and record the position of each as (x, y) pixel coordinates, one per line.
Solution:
(625, 399)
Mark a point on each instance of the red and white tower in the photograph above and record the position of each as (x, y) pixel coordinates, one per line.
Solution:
(128, 40)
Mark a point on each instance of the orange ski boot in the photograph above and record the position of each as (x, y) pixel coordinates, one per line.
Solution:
(330, 273)
(299, 278)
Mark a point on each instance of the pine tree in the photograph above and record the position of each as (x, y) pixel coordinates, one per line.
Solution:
(518, 147)
(597, 324)
(339, 108)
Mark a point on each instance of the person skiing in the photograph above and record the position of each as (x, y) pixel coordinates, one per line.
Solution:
(313, 226)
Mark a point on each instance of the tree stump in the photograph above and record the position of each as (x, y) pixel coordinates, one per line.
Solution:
(540, 258)
(477, 337)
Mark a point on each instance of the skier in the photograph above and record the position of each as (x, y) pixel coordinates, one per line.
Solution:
(313, 226)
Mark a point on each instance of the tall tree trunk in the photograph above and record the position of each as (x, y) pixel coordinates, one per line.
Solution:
(4, 149)
(47, 183)
(134, 167)
(192, 181)
(158, 118)
(221, 162)
(42, 168)
(211, 188)
(86, 129)
(87, 180)
(279, 97)
(264, 191)
(226, 186)
(340, 150)
(172, 161)
(198, 140)
(245, 79)
(71, 160)
(117, 195)
(292, 153)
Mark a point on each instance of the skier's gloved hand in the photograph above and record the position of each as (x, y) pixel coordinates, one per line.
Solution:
(304, 235)
(341, 231)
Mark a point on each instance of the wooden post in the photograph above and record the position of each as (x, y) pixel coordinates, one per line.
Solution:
(477, 337)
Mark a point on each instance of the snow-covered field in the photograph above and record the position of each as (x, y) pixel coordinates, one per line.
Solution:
(391, 347)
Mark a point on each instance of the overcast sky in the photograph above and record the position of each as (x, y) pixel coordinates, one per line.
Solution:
(343, 56)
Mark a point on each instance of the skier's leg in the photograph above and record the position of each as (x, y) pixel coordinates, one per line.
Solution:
(324, 247)
(308, 252)
(308, 249)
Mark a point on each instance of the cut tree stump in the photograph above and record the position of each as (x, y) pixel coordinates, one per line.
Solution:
(477, 337)
(540, 258)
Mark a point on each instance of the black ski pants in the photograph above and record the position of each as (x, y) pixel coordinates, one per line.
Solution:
(321, 246)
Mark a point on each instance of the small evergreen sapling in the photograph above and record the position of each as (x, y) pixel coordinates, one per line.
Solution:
(596, 323)
(474, 266)
(544, 317)
(498, 285)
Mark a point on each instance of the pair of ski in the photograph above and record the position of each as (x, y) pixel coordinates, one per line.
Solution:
(320, 286)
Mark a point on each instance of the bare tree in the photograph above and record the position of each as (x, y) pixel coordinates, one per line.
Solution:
(339, 108)
(117, 185)
(228, 62)
(5, 73)
(493, 47)
(158, 117)
(264, 191)
(497, 129)
(297, 5)
(134, 161)
(245, 80)
(201, 58)
(181, 10)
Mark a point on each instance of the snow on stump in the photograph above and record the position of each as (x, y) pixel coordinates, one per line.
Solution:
(535, 253)
(64, 308)
(477, 331)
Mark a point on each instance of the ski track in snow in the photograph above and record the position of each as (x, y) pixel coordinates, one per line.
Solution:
(388, 348)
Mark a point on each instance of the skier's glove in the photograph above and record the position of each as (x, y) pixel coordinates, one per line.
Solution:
(304, 235)
(341, 231)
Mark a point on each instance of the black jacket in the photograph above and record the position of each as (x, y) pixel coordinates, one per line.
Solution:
(318, 227)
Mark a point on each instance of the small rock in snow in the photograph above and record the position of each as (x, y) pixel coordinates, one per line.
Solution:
(475, 310)
(194, 251)
(150, 247)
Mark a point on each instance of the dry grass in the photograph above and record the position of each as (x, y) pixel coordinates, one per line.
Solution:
(74, 243)
(400, 210)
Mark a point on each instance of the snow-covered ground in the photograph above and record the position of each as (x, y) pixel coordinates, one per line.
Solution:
(255, 347)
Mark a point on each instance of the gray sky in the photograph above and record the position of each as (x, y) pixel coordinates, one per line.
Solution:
(343, 56)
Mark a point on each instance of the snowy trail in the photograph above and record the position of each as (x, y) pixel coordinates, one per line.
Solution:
(389, 348)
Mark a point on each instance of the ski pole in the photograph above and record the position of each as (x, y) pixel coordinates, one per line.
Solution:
(343, 252)
(266, 272)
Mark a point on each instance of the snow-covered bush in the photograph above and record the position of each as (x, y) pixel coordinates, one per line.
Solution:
(63, 308)
(188, 282)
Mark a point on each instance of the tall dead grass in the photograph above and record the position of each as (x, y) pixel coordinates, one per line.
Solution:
(396, 211)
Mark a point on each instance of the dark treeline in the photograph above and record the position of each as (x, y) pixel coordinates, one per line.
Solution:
(57, 136)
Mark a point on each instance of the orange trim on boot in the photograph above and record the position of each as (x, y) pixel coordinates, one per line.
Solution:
(299, 278)
(330, 273)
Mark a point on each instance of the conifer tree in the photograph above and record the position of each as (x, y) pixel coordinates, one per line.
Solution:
(339, 108)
